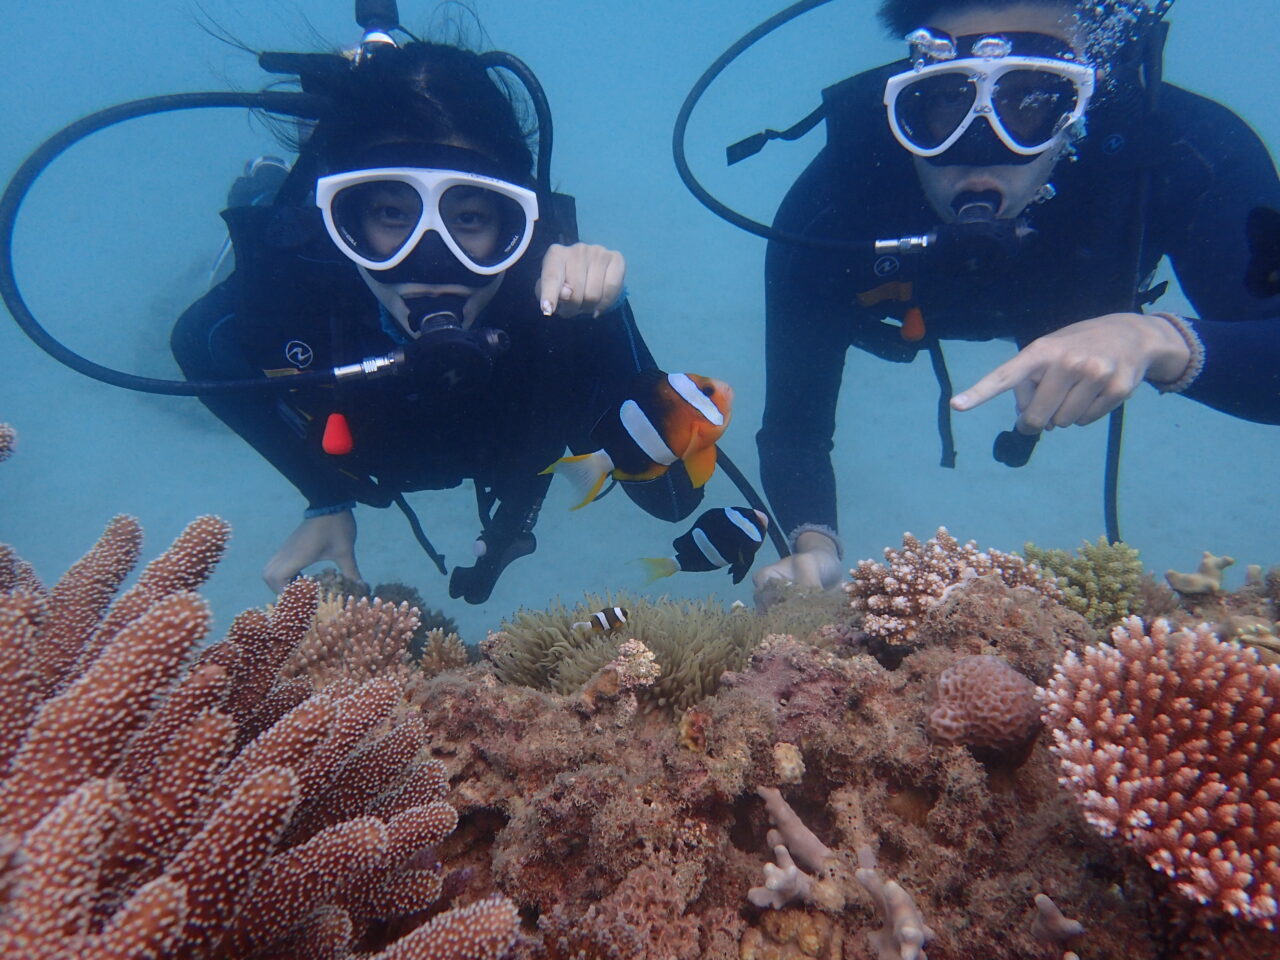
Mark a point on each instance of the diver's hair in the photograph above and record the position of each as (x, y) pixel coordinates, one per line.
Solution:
(900, 17)
(423, 91)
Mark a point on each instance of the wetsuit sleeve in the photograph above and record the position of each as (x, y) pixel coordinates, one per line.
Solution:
(205, 345)
(808, 318)
(1222, 170)
(613, 350)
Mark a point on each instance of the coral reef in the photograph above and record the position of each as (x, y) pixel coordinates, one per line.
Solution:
(1050, 925)
(903, 932)
(358, 637)
(354, 639)
(693, 643)
(437, 651)
(832, 781)
(156, 803)
(1248, 615)
(1172, 742)
(332, 582)
(642, 840)
(983, 702)
(633, 669)
(794, 846)
(1206, 581)
(1102, 581)
(894, 597)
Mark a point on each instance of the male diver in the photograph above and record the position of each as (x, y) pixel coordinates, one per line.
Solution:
(1035, 165)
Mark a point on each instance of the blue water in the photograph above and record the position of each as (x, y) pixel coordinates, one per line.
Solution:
(119, 235)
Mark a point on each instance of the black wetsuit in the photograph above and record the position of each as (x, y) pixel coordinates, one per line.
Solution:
(1207, 170)
(295, 303)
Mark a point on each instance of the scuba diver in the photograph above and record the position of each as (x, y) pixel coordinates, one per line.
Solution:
(1034, 169)
(412, 224)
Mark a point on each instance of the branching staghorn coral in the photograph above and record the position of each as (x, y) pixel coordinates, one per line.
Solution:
(155, 803)
(1102, 581)
(334, 585)
(358, 638)
(895, 596)
(1171, 741)
(355, 639)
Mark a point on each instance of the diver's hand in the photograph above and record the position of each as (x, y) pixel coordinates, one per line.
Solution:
(1083, 371)
(583, 278)
(330, 537)
(814, 564)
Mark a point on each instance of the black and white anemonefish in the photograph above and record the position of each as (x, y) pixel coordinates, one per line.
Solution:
(663, 417)
(723, 537)
(610, 618)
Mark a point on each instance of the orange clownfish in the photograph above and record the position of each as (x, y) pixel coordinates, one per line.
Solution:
(663, 418)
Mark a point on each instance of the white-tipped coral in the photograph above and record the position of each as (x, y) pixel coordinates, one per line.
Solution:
(895, 596)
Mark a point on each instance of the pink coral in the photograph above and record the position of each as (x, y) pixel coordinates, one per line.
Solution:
(984, 702)
(895, 597)
(137, 818)
(1171, 741)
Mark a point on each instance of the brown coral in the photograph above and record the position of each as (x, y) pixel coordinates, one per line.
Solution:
(625, 843)
(1172, 741)
(894, 597)
(139, 819)
(983, 702)
(357, 639)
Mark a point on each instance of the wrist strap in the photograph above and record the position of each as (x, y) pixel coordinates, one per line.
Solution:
(1195, 362)
(817, 528)
(312, 512)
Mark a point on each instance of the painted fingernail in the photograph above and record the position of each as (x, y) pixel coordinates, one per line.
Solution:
(566, 291)
(960, 400)
(546, 308)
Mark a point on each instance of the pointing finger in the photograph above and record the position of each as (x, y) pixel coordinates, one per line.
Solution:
(1002, 378)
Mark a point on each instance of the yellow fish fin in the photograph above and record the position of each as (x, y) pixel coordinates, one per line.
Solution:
(656, 568)
(585, 472)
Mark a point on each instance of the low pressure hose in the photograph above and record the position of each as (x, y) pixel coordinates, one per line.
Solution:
(293, 104)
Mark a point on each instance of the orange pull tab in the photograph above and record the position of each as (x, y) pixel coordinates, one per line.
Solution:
(913, 324)
(337, 436)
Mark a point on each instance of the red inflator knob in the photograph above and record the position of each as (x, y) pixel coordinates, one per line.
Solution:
(337, 435)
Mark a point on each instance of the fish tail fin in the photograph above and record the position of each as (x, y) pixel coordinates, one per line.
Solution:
(585, 472)
(580, 624)
(656, 568)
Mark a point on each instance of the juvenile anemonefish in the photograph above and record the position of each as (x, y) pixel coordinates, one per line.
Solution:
(610, 618)
(724, 537)
(663, 418)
